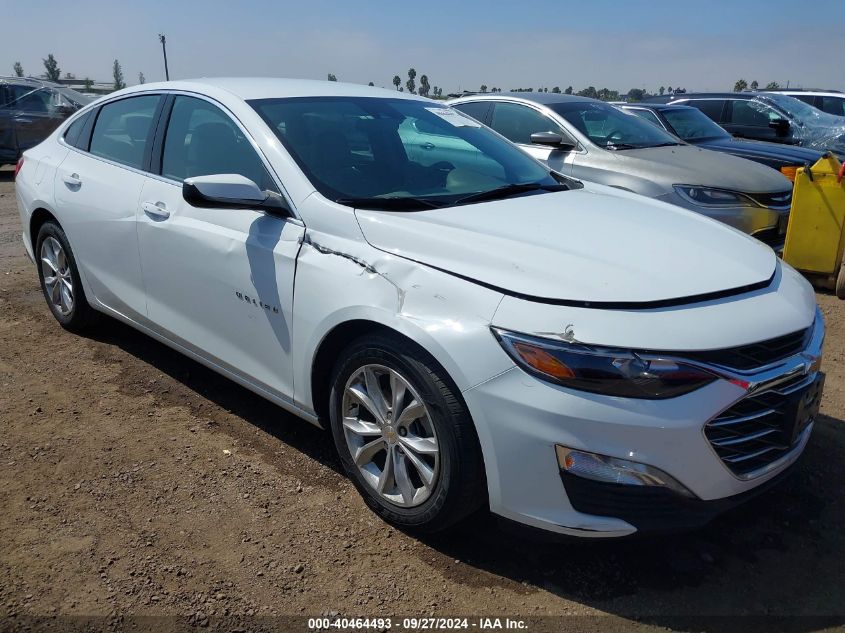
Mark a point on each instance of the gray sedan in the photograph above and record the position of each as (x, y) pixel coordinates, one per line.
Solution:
(592, 140)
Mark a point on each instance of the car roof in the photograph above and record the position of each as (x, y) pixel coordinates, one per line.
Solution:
(822, 93)
(248, 88)
(659, 107)
(32, 81)
(544, 98)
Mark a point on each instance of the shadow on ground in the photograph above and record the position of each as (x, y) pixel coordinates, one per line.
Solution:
(781, 554)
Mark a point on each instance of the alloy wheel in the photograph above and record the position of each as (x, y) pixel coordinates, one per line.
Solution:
(390, 435)
(58, 281)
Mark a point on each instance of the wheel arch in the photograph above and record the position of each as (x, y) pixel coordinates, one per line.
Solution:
(39, 217)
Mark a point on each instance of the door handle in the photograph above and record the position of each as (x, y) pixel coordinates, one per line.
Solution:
(156, 210)
(73, 180)
(427, 146)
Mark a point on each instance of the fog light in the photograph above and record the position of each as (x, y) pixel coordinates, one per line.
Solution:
(615, 471)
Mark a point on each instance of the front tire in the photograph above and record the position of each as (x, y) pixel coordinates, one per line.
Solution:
(60, 281)
(404, 435)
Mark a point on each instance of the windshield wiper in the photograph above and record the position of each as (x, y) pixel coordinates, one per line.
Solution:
(622, 146)
(390, 204)
(669, 144)
(510, 190)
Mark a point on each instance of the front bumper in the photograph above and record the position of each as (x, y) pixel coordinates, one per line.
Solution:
(521, 419)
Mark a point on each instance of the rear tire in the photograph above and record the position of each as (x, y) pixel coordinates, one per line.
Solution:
(60, 281)
(404, 435)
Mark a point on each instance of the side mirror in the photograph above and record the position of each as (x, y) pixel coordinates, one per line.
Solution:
(781, 125)
(231, 191)
(552, 140)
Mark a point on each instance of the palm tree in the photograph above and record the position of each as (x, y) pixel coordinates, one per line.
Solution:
(740, 85)
(396, 81)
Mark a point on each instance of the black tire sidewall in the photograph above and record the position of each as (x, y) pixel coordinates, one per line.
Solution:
(439, 510)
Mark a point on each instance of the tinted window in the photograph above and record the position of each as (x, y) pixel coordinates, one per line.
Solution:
(30, 98)
(752, 113)
(202, 140)
(368, 147)
(833, 105)
(74, 131)
(805, 98)
(691, 124)
(518, 122)
(122, 130)
(711, 107)
(476, 109)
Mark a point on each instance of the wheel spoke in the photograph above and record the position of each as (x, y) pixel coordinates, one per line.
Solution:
(361, 427)
(66, 299)
(386, 479)
(365, 401)
(50, 264)
(425, 471)
(374, 391)
(397, 389)
(56, 294)
(421, 445)
(61, 260)
(403, 480)
(365, 454)
(413, 411)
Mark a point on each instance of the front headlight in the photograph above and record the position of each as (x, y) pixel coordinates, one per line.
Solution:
(709, 197)
(604, 370)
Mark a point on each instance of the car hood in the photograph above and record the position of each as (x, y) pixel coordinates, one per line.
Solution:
(590, 245)
(788, 154)
(690, 165)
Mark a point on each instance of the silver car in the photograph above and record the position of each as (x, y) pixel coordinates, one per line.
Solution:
(594, 141)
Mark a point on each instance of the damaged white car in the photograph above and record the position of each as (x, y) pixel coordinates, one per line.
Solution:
(474, 328)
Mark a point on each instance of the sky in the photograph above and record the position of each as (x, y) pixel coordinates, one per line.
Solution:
(459, 44)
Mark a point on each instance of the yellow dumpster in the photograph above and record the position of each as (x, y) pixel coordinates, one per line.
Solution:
(815, 237)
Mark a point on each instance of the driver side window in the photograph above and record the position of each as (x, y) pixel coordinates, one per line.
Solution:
(518, 122)
(202, 140)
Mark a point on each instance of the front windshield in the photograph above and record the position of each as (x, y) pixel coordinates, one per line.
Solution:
(691, 124)
(398, 150)
(610, 128)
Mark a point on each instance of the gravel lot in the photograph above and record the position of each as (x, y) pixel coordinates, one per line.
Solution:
(135, 482)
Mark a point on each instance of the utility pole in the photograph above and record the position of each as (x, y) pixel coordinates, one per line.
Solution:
(163, 41)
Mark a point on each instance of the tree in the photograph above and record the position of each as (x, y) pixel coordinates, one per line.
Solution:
(51, 66)
(670, 91)
(117, 73)
(661, 90)
(425, 87)
(70, 76)
(18, 69)
(371, 84)
(411, 84)
(556, 90)
(141, 78)
(740, 85)
(773, 85)
(568, 90)
(483, 87)
(332, 77)
(396, 81)
(636, 94)
(88, 84)
(754, 85)
(589, 92)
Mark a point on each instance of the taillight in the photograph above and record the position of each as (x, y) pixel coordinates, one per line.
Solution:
(18, 167)
(790, 172)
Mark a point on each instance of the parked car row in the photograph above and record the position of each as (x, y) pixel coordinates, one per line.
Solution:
(30, 109)
(476, 327)
(591, 140)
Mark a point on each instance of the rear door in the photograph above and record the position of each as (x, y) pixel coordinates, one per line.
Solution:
(752, 119)
(219, 281)
(97, 189)
(517, 122)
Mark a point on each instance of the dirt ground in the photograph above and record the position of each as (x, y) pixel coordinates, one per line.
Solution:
(135, 482)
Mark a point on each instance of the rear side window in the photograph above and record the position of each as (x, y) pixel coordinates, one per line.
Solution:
(518, 122)
(73, 134)
(646, 115)
(752, 113)
(833, 105)
(123, 129)
(202, 140)
(711, 107)
(476, 109)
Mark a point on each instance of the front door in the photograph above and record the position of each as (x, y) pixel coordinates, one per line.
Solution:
(219, 281)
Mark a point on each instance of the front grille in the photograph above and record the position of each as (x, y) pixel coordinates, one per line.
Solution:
(754, 355)
(777, 200)
(760, 429)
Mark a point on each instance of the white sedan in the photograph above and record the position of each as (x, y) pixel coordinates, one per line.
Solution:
(474, 328)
